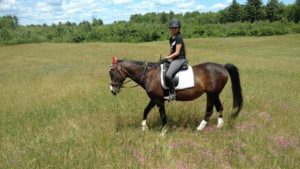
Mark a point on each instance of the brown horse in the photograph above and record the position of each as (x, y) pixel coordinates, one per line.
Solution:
(210, 78)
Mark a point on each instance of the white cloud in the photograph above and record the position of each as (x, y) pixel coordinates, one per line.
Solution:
(168, 2)
(54, 2)
(122, 1)
(201, 8)
(54, 11)
(43, 7)
(6, 5)
(142, 7)
(218, 6)
(181, 6)
(186, 5)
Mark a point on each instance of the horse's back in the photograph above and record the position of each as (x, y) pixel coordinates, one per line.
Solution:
(211, 76)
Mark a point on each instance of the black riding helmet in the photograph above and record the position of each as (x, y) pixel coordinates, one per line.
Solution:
(174, 23)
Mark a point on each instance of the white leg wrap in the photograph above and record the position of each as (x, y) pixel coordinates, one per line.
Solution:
(220, 122)
(164, 131)
(144, 125)
(144, 122)
(202, 125)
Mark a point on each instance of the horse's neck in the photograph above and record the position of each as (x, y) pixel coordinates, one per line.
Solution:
(135, 72)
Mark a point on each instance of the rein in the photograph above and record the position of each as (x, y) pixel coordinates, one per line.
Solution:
(145, 71)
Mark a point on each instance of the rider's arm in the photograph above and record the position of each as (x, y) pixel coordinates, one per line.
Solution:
(176, 53)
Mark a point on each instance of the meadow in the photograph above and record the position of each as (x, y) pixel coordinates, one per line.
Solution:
(56, 109)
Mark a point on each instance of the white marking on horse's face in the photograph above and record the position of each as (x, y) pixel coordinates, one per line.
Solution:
(113, 90)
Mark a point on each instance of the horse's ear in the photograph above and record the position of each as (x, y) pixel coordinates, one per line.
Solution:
(114, 60)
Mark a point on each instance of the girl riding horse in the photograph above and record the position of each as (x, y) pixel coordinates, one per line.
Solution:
(176, 58)
(210, 78)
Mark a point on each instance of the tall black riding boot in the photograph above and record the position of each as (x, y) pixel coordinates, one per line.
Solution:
(172, 94)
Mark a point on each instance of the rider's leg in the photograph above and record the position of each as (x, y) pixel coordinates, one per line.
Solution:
(173, 69)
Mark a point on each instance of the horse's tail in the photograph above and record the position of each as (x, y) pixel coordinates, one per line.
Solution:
(236, 89)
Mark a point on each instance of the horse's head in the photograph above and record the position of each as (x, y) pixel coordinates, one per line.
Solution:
(117, 76)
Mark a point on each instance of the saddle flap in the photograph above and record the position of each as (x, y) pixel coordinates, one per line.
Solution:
(185, 78)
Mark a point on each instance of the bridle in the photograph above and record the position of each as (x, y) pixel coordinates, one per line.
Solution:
(117, 85)
(120, 66)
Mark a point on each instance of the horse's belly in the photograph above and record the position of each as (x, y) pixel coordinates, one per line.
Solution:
(188, 94)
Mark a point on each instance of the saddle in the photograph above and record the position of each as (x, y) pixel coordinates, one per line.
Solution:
(183, 79)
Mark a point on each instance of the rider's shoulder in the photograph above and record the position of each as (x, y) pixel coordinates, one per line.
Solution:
(179, 36)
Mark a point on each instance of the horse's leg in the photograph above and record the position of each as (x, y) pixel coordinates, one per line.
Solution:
(150, 105)
(163, 116)
(219, 108)
(209, 110)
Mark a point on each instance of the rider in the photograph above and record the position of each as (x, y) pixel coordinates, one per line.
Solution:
(177, 56)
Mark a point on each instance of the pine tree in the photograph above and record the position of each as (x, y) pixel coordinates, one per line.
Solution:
(234, 12)
(297, 11)
(164, 18)
(253, 10)
(16, 20)
(97, 22)
(9, 22)
(274, 10)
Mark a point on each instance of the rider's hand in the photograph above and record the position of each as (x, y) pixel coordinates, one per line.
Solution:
(163, 60)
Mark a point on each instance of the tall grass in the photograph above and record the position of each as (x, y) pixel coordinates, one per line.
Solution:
(56, 110)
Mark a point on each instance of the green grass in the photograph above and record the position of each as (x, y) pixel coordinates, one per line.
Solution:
(56, 109)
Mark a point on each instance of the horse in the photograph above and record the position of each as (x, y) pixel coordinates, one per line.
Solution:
(209, 78)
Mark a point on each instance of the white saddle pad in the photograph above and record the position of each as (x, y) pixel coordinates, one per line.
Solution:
(186, 79)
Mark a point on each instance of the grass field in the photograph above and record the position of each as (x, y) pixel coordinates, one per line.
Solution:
(56, 109)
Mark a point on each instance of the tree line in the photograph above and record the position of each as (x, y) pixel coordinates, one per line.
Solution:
(251, 19)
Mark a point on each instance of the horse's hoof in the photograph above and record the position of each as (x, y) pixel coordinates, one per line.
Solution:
(163, 134)
(195, 133)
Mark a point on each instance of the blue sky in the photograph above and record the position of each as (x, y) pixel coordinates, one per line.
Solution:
(54, 11)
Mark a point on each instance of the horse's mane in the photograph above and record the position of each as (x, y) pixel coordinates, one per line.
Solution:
(140, 63)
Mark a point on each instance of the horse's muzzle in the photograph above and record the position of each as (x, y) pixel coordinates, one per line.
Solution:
(114, 90)
(114, 93)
